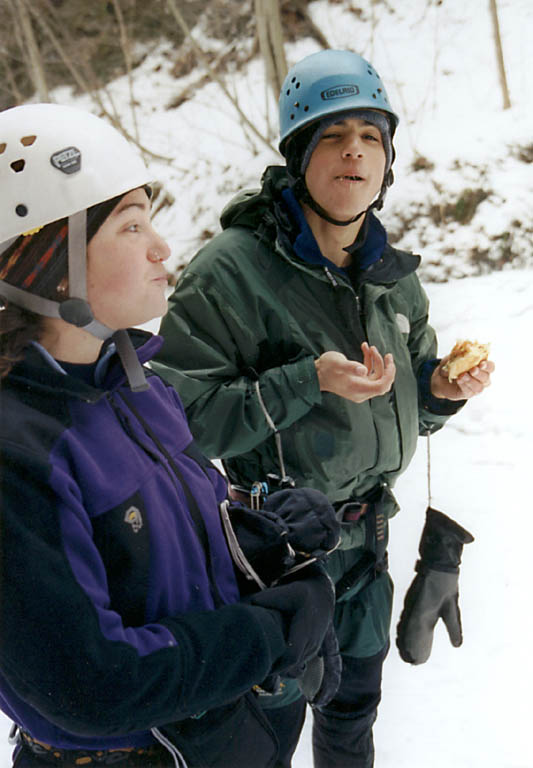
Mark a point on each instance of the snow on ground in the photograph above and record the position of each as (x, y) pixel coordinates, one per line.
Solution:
(467, 707)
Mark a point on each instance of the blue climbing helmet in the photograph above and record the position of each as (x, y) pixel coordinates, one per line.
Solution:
(325, 83)
(318, 88)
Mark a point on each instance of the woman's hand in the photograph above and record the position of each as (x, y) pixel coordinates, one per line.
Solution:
(467, 385)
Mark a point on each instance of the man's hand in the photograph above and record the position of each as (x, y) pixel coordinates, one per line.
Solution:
(468, 384)
(353, 380)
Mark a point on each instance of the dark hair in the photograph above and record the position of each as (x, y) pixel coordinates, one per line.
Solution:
(18, 328)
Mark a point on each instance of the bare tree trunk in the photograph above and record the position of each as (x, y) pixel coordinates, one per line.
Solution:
(13, 87)
(125, 45)
(270, 34)
(84, 86)
(319, 36)
(178, 16)
(499, 53)
(35, 66)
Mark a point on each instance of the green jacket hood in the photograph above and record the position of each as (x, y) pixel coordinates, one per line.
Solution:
(263, 210)
(249, 207)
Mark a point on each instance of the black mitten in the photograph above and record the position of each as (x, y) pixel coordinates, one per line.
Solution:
(313, 528)
(306, 606)
(434, 592)
(258, 541)
(321, 677)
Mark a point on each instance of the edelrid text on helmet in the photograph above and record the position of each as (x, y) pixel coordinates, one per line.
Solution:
(325, 83)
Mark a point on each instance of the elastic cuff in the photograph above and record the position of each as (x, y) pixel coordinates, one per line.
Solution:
(439, 406)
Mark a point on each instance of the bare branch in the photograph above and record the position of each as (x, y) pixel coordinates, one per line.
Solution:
(214, 75)
(499, 54)
(301, 5)
(84, 86)
(270, 34)
(125, 45)
(35, 65)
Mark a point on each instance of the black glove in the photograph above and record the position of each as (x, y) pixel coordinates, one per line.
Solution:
(321, 677)
(306, 606)
(313, 528)
(434, 592)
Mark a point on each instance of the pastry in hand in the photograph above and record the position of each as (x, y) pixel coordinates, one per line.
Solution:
(464, 356)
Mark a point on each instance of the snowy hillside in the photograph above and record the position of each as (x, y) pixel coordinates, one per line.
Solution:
(466, 209)
(437, 60)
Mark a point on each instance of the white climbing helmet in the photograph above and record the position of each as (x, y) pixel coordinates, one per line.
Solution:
(55, 163)
(57, 160)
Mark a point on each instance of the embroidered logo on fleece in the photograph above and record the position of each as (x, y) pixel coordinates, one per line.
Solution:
(134, 518)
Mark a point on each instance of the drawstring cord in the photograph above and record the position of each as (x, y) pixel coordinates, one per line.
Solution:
(179, 760)
(428, 459)
(277, 437)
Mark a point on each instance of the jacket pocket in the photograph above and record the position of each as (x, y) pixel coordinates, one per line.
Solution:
(226, 736)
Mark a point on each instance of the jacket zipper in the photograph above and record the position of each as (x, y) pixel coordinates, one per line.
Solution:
(360, 315)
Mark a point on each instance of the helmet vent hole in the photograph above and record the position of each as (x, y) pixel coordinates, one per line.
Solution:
(293, 80)
(3, 148)
(27, 141)
(292, 117)
(18, 165)
(296, 104)
(306, 108)
(297, 85)
(288, 91)
(21, 210)
(374, 96)
(379, 90)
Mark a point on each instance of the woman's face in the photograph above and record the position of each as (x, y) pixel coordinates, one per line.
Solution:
(126, 278)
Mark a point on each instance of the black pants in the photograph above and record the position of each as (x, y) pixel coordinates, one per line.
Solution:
(287, 723)
(236, 735)
(342, 731)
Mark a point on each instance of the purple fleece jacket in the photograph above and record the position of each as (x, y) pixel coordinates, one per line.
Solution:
(119, 603)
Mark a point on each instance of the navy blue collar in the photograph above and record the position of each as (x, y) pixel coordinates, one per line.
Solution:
(366, 250)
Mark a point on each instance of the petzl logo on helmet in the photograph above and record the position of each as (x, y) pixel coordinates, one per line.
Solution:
(67, 160)
(339, 92)
(133, 518)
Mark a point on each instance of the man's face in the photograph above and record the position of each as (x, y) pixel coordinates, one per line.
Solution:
(346, 169)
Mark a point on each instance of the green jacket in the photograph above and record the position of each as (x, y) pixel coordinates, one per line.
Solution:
(247, 308)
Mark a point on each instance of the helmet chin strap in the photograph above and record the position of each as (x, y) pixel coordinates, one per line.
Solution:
(76, 310)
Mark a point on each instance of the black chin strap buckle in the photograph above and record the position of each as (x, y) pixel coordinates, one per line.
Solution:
(76, 312)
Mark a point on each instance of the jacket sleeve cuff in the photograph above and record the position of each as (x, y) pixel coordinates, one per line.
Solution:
(437, 405)
(248, 640)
